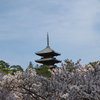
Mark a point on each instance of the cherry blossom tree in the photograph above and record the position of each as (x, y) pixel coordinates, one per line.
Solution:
(79, 84)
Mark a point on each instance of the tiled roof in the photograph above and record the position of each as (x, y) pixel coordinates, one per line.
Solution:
(47, 50)
(48, 59)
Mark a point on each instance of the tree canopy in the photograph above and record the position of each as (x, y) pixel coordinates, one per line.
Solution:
(43, 71)
(6, 68)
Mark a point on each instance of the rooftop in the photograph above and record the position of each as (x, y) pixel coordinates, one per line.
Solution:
(48, 59)
(47, 50)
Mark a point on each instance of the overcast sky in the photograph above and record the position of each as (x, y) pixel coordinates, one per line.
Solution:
(73, 27)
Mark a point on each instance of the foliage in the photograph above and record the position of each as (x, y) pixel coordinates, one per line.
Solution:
(16, 68)
(29, 66)
(79, 84)
(91, 65)
(69, 64)
(43, 71)
(6, 68)
(36, 66)
(3, 64)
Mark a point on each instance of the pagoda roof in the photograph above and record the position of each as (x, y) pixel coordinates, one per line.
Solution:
(47, 50)
(47, 59)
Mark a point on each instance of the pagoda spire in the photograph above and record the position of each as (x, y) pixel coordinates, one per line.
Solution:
(47, 39)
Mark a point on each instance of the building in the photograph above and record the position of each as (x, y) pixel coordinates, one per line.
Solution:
(48, 55)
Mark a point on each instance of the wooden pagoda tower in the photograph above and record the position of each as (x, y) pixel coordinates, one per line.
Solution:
(47, 55)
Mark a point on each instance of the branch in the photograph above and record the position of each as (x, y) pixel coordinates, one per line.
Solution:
(30, 92)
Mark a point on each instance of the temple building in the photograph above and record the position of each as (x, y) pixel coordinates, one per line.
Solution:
(48, 55)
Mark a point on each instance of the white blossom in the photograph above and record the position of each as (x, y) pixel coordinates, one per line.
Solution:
(65, 96)
(79, 84)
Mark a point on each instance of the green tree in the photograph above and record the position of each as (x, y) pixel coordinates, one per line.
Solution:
(68, 64)
(16, 68)
(92, 64)
(4, 67)
(30, 66)
(36, 66)
(43, 71)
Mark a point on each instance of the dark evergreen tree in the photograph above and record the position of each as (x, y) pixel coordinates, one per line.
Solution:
(43, 71)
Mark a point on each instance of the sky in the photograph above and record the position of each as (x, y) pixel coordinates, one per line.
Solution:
(73, 27)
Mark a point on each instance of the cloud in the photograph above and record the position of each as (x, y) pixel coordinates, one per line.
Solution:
(67, 19)
(76, 24)
(73, 26)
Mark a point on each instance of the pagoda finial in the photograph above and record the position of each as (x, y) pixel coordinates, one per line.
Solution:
(47, 39)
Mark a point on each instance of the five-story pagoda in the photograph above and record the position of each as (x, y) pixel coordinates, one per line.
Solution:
(47, 55)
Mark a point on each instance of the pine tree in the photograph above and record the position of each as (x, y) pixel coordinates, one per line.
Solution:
(30, 66)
